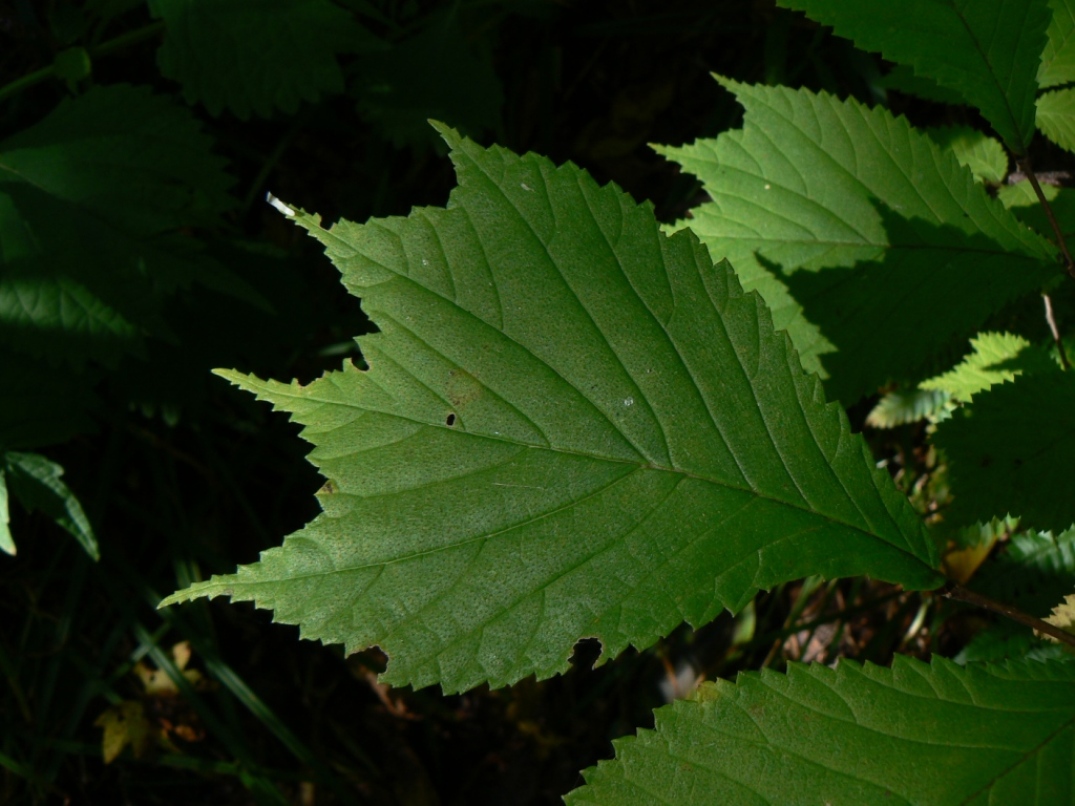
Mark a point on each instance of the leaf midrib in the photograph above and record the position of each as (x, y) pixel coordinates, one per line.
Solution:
(572, 452)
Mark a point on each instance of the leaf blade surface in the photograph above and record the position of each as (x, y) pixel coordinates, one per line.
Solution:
(987, 50)
(572, 425)
(913, 733)
(840, 216)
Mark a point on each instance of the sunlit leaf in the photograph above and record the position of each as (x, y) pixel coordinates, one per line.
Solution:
(872, 227)
(571, 426)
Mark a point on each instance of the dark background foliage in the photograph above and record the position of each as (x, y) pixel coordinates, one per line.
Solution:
(323, 104)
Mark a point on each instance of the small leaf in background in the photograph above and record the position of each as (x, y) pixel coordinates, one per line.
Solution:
(1021, 199)
(125, 724)
(399, 91)
(1032, 572)
(1063, 616)
(997, 358)
(571, 426)
(1056, 117)
(858, 230)
(985, 157)
(257, 56)
(158, 683)
(1058, 59)
(906, 406)
(987, 50)
(1004, 450)
(35, 483)
(938, 734)
(7, 542)
(92, 203)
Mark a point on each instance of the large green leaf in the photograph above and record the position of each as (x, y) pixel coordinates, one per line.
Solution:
(256, 55)
(938, 734)
(1058, 59)
(987, 50)
(1006, 449)
(92, 201)
(874, 228)
(571, 426)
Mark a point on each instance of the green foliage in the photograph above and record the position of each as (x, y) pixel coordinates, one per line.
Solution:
(1004, 451)
(35, 482)
(92, 199)
(569, 424)
(999, 733)
(997, 357)
(989, 51)
(615, 434)
(838, 215)
(1058, 59)
(256, 55)
(985, 157)
(1033, 572)
(406, 86)
(906, 406)
(1056, 117)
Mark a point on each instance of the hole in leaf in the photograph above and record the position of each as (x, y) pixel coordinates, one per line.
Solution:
(586, 653)
(451, 420)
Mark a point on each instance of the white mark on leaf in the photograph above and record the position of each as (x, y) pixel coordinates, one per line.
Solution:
(767, 187)
(630, 401)
(525, 186)
(279, 205)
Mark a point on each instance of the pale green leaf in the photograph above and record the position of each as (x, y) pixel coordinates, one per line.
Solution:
(1007, 449)
(571, 426)
(7, 542)
(912, 734)
(35, 482)
(256, 55)
(985, 157)
(1021, 199)
(996, 358)
(1058, 59)
(873, 227)
(906, 406)
(1056, 117)
(987, 50)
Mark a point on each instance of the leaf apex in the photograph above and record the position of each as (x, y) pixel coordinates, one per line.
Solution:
(188, 594)
(450, 136)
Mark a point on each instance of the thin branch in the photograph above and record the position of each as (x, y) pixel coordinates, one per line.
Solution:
(1051, 319)
(961, 594)
(1069, 263)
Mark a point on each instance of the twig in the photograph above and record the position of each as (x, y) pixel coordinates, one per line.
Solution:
(1069, 263)
(959, 593)
(1051, 319)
